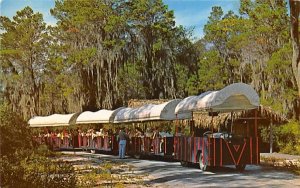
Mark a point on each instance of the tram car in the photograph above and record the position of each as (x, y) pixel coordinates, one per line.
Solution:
(98, 131)
(213, 149)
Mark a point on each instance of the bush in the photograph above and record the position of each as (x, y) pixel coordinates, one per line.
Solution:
(22, 165)
(265, 136)
(287, 138)
(36, 171)
(15, 133)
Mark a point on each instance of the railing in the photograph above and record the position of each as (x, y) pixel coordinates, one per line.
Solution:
(137, 145)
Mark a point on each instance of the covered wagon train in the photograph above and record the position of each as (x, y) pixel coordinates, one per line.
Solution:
(160, 129)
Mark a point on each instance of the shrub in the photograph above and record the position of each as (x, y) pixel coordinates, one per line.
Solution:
(286, 137)
(36, 171)
(22, 165)
(15, 133)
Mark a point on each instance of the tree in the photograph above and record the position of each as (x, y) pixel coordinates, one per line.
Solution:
(295, 13)
(24, 45)
(253, 47)
(153, 26)
(295, 33)
(110, 43)
(212, 72)
(130, 82)
(95, 35)
(187, 55)
(225, 34)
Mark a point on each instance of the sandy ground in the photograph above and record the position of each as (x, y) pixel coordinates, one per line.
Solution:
(151, 173)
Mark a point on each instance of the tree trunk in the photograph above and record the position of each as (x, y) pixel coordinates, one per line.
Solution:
(295, 11)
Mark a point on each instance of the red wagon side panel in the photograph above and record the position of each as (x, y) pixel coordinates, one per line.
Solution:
(217, 151)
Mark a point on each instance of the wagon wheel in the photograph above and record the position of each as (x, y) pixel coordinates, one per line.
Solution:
(240, 167)
(137, 156)
(184, 163)
(202, 166)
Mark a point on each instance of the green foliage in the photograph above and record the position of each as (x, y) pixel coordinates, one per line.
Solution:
(211, 73)
(286, 137)
(253, 47)
(281, 80)
(22, 165)
(192, 85)
(24, 46)
(34, 170)
(275, 104)
(129, 78)
(15, 133)
(154, 24)
(182, 77)
(139, 32)
(103, 53)
(82, 56)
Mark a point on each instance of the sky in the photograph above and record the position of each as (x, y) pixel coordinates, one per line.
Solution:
(189, 13)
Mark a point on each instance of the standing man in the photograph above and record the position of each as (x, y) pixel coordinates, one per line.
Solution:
(122, 143)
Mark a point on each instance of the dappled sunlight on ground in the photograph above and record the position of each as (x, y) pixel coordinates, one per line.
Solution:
(153, 173)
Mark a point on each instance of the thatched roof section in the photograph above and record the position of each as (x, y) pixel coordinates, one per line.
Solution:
(268, 113)
(264, 114)
(201, 119)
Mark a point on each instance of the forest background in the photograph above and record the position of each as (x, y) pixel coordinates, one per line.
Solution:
(102, 53)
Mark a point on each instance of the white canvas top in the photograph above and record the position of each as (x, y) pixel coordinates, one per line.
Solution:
(133, 114)
(124, 115)
(164, 111)
(53, 120)
(101, 116)
(142, 113)
(235, 97)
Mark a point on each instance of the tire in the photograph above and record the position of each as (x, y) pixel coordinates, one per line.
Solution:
(184, 163)
(202, 166)
(240, 167)
(137, 156)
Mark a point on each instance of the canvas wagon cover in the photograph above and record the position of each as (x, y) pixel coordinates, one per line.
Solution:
(124, 115)
(166, 111)
(101, 116)
(53, 120)
(148, 112)
(235, 97)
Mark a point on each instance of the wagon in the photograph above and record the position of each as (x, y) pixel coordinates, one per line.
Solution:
(212, 149)
(208, 148)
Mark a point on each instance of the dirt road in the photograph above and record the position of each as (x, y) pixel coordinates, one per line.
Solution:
(172, 174)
